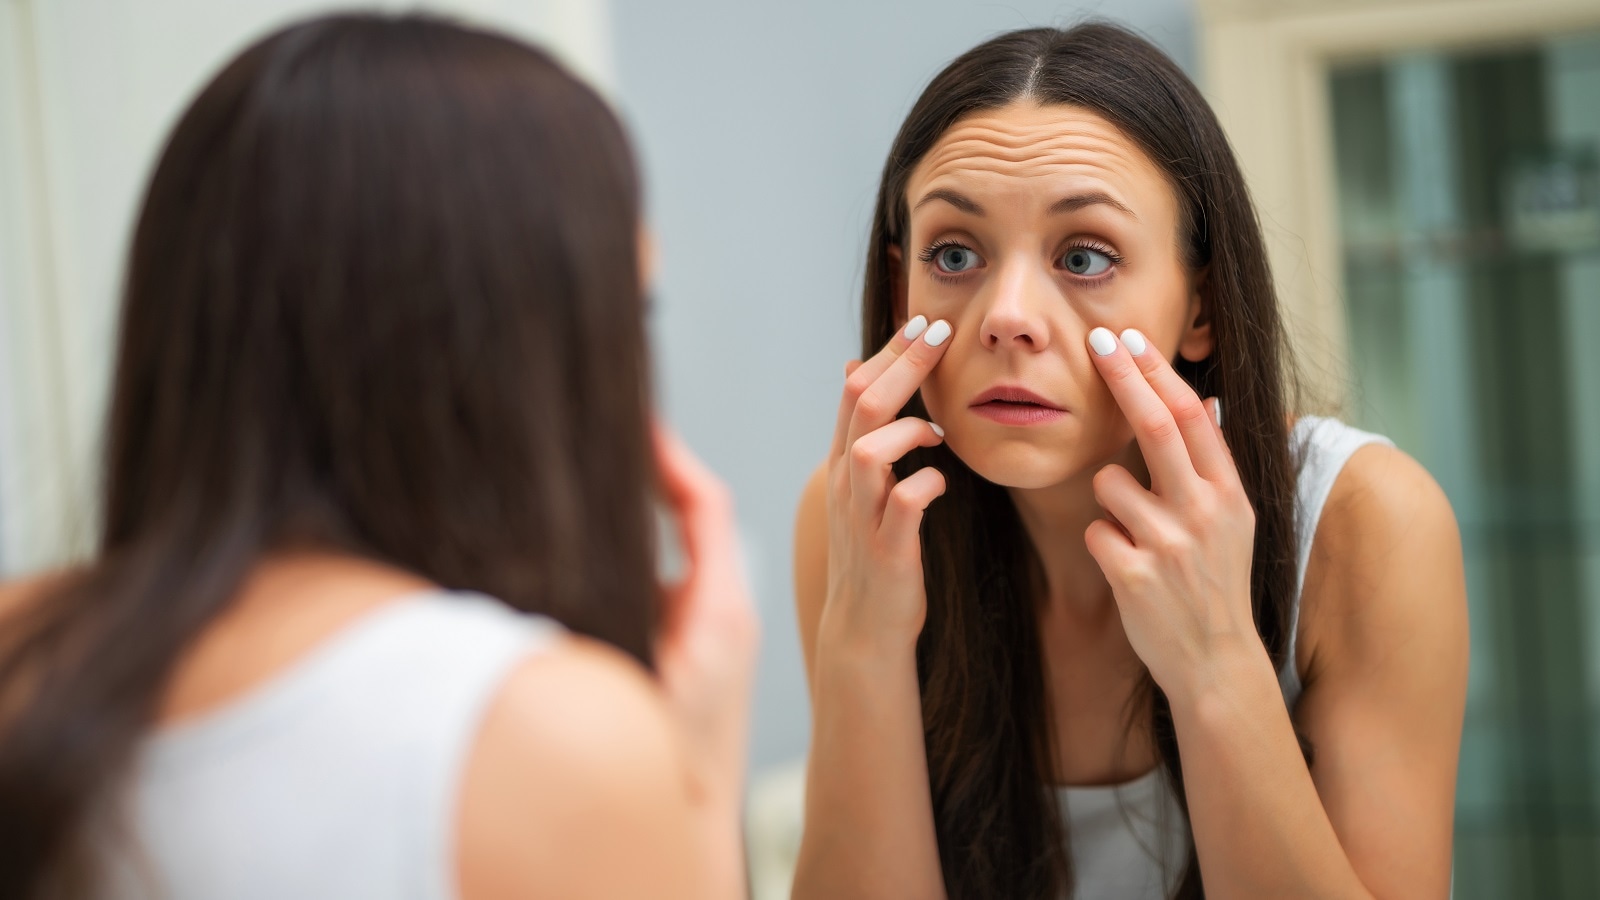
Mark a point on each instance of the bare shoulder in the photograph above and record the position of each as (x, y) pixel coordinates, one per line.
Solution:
(18, 598)
(17, 594)
(582, 702)
(576, 786)
(1384, 630)
(1386, 562)
(1383, 493)
(811, 558)
(811, 519)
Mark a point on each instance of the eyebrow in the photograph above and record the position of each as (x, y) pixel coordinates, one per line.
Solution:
(1064, 205)
(1079, 201)
(965, 204)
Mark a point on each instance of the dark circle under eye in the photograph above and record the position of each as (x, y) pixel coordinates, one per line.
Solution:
(1083, 261)
(956, 259)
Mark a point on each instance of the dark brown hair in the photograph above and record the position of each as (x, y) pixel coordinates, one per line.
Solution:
(986, 711)
(383, 298)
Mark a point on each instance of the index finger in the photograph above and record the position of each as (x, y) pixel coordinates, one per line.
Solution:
(1160, 436)
(859, 378)
(881, 401)
(701, 505)
(1195, 422)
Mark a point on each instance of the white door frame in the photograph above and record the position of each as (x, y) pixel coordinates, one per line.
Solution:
(88, 89)
(1265, 67)
(36, 440)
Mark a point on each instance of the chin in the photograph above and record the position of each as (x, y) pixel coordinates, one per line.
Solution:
(1017, 464)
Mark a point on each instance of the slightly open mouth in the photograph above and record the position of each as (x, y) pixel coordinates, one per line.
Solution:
(1018, 412)
(1023, 404)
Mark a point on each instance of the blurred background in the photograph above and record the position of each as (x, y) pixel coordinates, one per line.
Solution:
(1427, 171)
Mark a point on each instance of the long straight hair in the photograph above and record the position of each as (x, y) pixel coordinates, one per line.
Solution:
(986, 714)
(383, 298)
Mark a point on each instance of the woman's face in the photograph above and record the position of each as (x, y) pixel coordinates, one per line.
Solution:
(1031, 225)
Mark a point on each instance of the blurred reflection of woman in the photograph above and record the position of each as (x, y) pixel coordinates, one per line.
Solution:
(375, 611)
(1065, 634)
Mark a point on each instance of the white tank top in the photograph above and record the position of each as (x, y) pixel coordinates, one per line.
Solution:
(336, 779)
(1128, 841)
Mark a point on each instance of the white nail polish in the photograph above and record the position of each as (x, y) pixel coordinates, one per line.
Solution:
(936, 429)
(1134, 341)
(938, 333)
(1216, 407)
(1103, 341)
(916, 327)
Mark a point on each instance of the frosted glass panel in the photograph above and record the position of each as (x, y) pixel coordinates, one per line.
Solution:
(1469, 197)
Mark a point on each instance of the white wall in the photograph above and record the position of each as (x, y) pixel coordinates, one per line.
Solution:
(30, 382)
(763, 127)
(88, 89)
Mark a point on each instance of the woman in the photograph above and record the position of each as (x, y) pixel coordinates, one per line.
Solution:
(1065, 634)
(375, 610)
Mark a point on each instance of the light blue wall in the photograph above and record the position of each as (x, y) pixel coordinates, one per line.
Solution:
(763, 127)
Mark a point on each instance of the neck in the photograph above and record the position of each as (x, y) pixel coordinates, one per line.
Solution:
(1076, 591)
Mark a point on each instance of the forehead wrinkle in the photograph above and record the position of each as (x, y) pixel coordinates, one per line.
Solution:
(975, 178)
(1034, 168)
(1053, 143)
(999, 146)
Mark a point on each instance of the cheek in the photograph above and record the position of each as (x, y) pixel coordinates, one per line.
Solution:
(1107, 428)
(1104, 429)
(936, 301)
(1161, 310)
(937, 390)
(1103, 419)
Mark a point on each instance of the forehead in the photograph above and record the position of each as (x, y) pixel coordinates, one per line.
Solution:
(1038, 151)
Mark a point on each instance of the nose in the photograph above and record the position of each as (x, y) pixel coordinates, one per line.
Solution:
(1015, 316)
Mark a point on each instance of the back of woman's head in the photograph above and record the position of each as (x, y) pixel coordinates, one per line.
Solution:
(383, 298)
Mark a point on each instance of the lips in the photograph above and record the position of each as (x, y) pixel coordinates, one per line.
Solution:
(1012, 405)
(1013, 395)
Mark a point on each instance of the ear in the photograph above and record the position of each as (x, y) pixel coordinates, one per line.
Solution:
(897, 284)
(647, 258)
(1197, 341)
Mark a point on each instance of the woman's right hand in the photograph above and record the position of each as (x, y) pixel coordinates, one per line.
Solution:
(875, 590)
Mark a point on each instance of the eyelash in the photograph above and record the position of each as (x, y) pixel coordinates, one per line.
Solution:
(1102, 249)
(932, 250)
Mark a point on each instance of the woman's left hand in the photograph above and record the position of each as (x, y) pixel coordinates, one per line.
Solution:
(1178, 553)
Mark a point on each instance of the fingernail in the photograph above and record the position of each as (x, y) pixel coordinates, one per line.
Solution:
(936, 429)
(1103, 341)
(938, 333)
(1216, 407)
(915, 327)
(1134, 341)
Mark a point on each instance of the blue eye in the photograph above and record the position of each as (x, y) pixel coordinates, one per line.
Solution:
(1083, 261)
(955, 258)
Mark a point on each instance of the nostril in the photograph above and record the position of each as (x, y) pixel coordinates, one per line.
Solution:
(993, 340)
